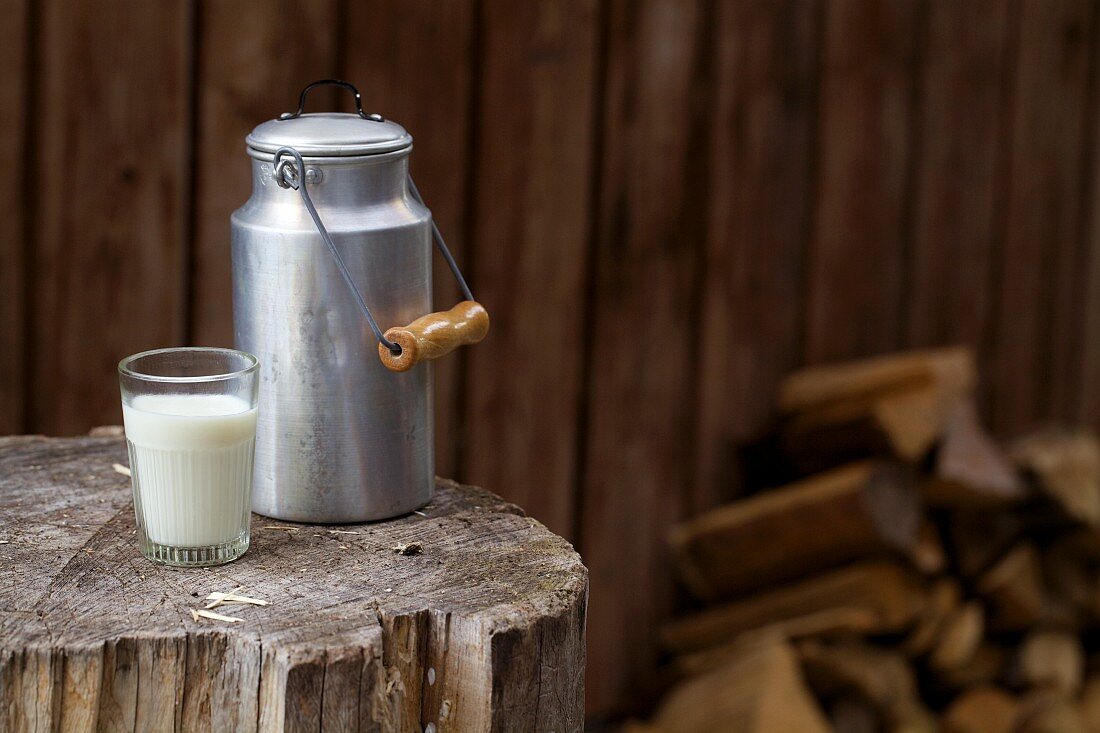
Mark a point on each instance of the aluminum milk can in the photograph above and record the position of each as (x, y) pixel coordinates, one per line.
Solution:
(332, 249)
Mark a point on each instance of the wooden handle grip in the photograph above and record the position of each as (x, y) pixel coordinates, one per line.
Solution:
(431, 336)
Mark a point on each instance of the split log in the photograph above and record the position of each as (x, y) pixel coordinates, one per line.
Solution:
(979, 538)
(1066, 468)
(983, 709)
(759, 689)
(881, 676)
(887, 595)
(988, 665)
(970, 469)
(1049, 711)
(483, 629)
(959, 638)
(1014, 589)
(951, 369)
(1073, 576)
(898, 403)
(769, 538)
(843, 622)
(943, 598)
(1090, 705)
(1050, 658)
(927, 553)
(853, 714)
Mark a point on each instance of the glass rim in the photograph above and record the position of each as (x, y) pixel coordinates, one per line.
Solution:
(124, 366)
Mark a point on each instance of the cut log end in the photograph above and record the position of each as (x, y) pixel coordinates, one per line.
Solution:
(481, 626)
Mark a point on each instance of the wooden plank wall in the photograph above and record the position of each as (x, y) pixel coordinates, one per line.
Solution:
(665, 204)
(14, 118)
(109, 180)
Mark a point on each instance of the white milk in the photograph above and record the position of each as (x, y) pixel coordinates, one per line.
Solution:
(191, 456)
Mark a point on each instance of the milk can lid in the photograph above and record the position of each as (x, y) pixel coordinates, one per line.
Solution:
(330, 134)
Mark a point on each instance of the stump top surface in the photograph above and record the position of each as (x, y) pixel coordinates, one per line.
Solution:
(71, 574)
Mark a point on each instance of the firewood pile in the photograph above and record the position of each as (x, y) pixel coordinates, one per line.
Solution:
(909, 574)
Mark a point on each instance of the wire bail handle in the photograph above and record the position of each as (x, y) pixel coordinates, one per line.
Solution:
(426, 338)
(292, 174)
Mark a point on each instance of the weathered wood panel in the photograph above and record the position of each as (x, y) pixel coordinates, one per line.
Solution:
(1086, 408)
(856, 264)
(1069, 283)
(961, 95)
(111, 174)
(761, 174)
(641, 402)
(14, 118)
(413, 63)
(234, 94)
(533, 173)
(1033, 339)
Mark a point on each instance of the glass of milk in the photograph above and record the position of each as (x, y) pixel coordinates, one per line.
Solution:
(190, 417)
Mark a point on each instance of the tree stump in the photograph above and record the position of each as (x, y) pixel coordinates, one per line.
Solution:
(466, 616)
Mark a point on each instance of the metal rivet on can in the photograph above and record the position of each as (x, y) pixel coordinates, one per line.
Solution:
(314, 175)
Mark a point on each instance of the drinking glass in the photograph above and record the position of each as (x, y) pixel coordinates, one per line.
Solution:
(190, 418)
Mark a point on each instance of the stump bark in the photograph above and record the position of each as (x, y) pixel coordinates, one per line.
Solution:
(467, 616)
